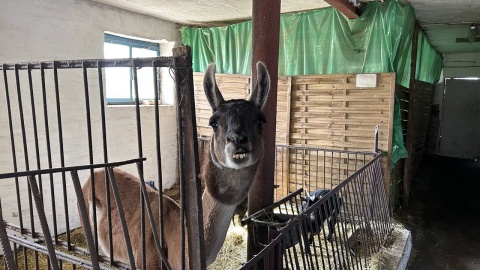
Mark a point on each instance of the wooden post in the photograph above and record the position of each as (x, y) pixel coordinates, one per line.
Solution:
(345, 7)
(188, 157)
(410, 123)
(265, 46)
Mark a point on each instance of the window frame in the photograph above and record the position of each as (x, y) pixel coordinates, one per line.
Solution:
(130, 43)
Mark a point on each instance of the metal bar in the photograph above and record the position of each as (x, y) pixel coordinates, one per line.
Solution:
(296, 169)
(25, 146)
(327, 246)
(49, 152)
(5, 244)
(385, 213)
(93, 63)
(12, 142)
(156, 238)
(372, 205)
(340, 168)
(71, 168)
(87, 230)
(140, 168)
(305, 163)
(344, 232)
(15, 251)
(35, 130)
(62, 154)
(272, 206)
(159, 157)
(121, 214)
(25, 153)
(316, 172)
(105, 160)
(324, 169)
(364, 211)
(352, 216)
(254, 262)
(43, 222)
(324, 149)
(90, 155)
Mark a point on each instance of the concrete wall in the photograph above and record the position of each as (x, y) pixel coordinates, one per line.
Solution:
(458, 65)
(32, 30)
(462, 65)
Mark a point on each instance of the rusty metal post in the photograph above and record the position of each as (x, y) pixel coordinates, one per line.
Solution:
(265, 46)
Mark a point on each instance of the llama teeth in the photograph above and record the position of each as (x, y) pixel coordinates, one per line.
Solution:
(239, 156)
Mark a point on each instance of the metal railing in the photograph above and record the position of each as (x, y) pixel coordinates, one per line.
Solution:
(42, 109)
(314, 168)
(340, 230)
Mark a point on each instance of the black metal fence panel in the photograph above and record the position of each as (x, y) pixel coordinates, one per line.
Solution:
(47, 166)
(336, 224)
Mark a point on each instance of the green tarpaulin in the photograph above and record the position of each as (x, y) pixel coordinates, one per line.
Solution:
(325, 42)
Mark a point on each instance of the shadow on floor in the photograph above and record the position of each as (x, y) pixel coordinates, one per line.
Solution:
(444, 215)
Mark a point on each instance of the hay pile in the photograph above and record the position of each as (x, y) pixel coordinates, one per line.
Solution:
(383, 259)
(234, 251)
(29, 258)
(231, 256)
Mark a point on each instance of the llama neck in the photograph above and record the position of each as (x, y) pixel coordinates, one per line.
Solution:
(217, 215)
(216, 220)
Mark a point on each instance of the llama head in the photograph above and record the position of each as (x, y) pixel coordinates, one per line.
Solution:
(237, 124)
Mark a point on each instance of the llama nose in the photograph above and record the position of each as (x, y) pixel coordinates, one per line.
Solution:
(237, 138)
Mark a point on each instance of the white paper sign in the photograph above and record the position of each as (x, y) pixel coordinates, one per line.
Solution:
(366, 80)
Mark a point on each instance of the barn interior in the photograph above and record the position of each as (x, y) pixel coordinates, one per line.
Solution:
(428, 136)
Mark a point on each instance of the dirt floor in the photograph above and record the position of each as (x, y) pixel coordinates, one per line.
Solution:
(444, 215)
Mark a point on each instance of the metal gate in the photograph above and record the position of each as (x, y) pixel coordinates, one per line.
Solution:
(45, 183)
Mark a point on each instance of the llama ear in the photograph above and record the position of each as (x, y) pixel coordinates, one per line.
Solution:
(260, 91)
(212, 92)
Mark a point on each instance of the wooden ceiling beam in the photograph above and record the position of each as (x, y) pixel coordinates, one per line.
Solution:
(345, 7)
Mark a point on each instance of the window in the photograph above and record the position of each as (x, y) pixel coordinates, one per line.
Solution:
(119, 80)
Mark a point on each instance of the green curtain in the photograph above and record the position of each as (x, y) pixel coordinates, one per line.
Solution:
(325, 42)
(429, 61)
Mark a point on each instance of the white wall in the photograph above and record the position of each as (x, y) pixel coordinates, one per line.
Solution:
(457, 65)
(460, 65)
(35, 30)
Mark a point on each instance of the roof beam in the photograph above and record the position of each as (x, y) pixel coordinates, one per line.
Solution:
(345, 7)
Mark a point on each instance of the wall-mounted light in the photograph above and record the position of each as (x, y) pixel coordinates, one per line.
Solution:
(473, 33)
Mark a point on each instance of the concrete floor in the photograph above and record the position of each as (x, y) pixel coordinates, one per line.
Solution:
(444, 215)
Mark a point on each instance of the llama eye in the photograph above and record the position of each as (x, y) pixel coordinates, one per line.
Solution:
(214, 125)
(260, 123)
